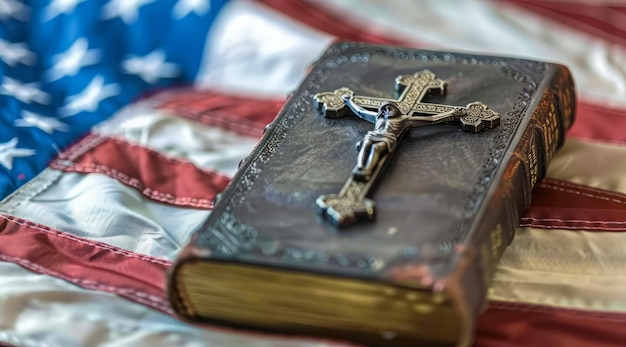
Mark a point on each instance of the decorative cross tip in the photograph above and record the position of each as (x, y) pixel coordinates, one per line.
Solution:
(477, 116)
(426, 78)
(331, 105)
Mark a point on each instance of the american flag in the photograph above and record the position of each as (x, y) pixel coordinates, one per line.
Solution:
(122, 119)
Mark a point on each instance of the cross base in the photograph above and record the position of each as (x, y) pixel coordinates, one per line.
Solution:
(344, 210)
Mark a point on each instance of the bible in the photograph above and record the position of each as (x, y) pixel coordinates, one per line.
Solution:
(379, 200)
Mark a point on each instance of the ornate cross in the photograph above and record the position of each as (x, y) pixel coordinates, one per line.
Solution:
(393, 119)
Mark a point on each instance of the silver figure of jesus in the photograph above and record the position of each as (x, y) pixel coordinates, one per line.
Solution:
(389, 126)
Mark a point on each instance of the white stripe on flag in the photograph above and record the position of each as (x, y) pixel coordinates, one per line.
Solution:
(252, 49)
(599, 165)
(564, 268)
(100, 208)
(207, 147)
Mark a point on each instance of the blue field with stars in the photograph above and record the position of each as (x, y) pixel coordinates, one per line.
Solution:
(66, 65)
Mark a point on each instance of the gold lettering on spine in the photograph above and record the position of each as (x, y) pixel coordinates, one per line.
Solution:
(530, 157)
(567, 97)
(551, 129)
(547, 118)
(550, 126)
(533, 164)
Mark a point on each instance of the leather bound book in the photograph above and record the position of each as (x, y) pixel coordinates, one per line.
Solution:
(378, 202)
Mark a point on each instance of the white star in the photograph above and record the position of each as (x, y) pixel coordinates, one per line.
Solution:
(24, 92)
(128, 10)
(90, 97)
(150, 67)
(69, 62)
(58, 7)
(46, 124)
(13, 8)
(185, 7)
(8, 152)
(12, 53)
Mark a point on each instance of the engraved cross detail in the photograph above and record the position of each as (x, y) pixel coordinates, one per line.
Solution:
(393, 119)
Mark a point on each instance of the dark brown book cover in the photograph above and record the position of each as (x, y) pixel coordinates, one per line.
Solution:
(413, 261)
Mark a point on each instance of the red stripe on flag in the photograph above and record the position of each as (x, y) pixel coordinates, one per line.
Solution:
(597, 122)
(158, 177)
(243, 115)
(86, 263)
(564, 205)
(606, 22)
(248, 116)
(519, 325)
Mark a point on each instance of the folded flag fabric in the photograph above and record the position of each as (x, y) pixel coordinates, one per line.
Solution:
(103, 183)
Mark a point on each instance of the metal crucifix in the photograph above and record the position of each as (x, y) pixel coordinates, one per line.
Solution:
(391, 122)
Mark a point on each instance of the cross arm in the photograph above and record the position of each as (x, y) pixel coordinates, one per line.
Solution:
(359, 111)
(474, 117)
(418, 121)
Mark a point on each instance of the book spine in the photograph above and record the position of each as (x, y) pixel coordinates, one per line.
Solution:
(545, 133)
(551, 118)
